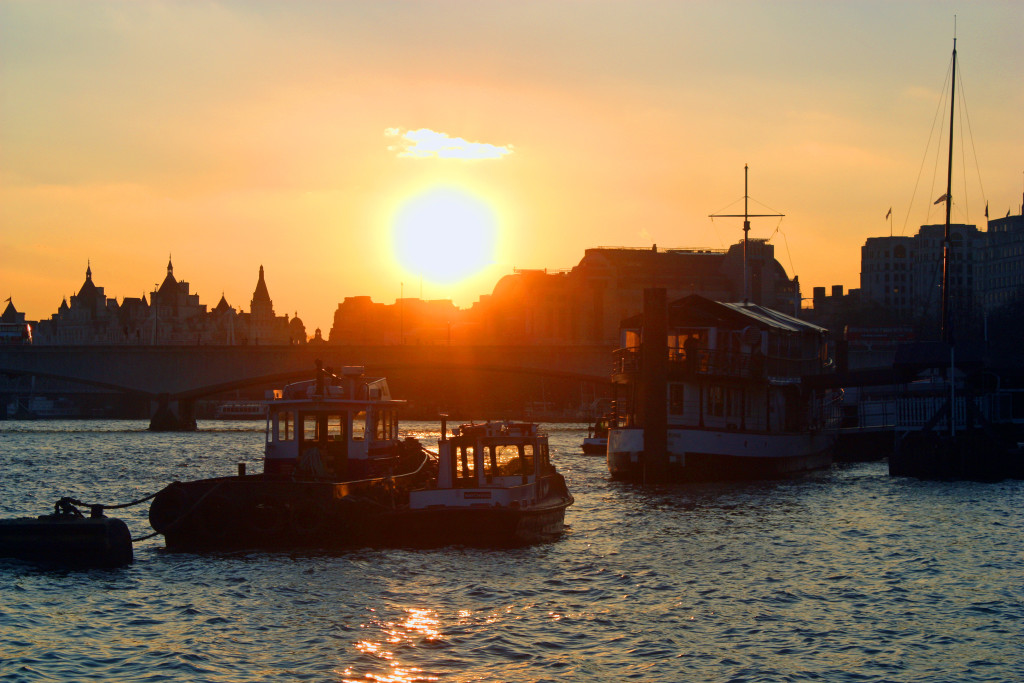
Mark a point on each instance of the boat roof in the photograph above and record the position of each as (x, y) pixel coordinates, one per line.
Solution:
(503, 429)
(698, 311)
(351, 387)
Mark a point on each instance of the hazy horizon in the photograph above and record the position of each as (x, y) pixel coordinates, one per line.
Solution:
(350, 147)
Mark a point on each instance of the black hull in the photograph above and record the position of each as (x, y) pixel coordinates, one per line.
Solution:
(69, 541)
(972, 455)
(274, 513)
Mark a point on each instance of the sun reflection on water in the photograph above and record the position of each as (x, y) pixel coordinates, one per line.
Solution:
(419, 626)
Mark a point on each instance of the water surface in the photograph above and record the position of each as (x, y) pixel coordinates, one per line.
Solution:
(847, 575)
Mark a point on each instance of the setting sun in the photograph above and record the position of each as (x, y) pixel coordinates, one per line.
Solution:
(444, 235)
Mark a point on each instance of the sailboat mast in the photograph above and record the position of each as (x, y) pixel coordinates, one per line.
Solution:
(746, 234)
(946, 329)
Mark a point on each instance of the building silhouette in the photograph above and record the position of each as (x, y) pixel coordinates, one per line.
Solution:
(171, 315)
(583, 305)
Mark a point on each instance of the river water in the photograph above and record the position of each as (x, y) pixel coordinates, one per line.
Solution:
(846, 575)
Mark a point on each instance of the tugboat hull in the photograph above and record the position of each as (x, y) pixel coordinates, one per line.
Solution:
(266, 512)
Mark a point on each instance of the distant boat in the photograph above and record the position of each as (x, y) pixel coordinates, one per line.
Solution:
(596, 441)
(241, 410)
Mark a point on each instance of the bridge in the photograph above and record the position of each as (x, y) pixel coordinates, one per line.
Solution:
(172, 378)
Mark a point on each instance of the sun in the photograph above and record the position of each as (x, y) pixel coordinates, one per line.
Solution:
(444, 234)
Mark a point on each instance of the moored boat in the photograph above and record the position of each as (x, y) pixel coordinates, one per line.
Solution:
(495, 485)
(596, 440)
(724, 401)
(964, 428)
(333, 462)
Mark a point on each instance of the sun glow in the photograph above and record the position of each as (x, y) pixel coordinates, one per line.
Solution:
(444, 235)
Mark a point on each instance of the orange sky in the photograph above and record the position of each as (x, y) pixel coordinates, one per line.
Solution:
(237, 134)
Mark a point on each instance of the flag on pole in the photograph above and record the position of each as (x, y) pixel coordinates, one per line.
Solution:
(986, 210)
(943, 198)
(889, 212)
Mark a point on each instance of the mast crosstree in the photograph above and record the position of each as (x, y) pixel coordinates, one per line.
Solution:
(746, 216)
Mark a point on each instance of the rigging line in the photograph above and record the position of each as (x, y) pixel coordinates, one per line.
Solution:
(766, 206)
(924, 158)
(785, 240)
(970, 135)
(938, 148)
(732, 203)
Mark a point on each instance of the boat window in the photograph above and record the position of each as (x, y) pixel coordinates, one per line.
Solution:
(528, 456)
(505, 460)
(335, 427)
(675, 399)
(359, 426)
(733, 402)
(467, 461)
(308, 427)
(383, 425)
(286, 426)
(716, 401)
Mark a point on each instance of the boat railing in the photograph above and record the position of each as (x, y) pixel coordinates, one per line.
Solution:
(914, 412)
(719, 362)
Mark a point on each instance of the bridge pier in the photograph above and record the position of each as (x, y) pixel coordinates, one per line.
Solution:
(168, 415)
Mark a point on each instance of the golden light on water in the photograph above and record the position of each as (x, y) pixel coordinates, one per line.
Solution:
(444, 234)
(419, 625)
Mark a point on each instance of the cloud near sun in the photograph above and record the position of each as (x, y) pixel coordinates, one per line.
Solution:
(428, 144)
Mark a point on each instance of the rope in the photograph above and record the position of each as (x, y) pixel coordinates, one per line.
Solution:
(67, 506)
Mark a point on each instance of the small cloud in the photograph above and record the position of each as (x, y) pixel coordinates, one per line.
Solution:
(427, 144)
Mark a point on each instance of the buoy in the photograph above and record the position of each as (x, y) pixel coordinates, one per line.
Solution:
(68, 538)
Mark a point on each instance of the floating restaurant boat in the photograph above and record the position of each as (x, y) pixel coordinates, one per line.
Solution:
(333, 462)
(723, 399)
(336, 474)
(495, 485)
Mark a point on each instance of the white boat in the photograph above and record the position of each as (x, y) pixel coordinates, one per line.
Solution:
(241, 410)
(495, 486)
(732, 401)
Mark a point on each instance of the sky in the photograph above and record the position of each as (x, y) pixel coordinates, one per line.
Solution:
(429, 148)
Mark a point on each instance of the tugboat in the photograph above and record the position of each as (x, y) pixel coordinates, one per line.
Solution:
(333, 463)
(495, 486)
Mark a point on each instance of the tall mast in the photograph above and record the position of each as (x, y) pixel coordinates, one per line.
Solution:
(946, 329)
(746, 216)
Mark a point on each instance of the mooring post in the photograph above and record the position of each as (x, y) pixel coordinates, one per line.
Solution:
(654, 385)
